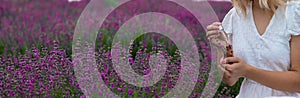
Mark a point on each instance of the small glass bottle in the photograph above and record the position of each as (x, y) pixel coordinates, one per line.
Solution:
(227, 37)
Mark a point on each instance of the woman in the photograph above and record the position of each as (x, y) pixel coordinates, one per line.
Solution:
(266, 47)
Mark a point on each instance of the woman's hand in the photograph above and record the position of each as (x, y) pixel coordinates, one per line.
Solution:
(232, 72)
(227, 77)
(214, 36)
(239, 68)
(213, 30)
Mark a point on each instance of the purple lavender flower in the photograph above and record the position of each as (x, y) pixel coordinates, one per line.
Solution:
(130, 92)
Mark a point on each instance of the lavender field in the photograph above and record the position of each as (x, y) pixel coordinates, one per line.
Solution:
(36, 51)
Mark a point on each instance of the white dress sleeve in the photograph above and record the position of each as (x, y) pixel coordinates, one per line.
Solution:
(293, 18)
(227, 22)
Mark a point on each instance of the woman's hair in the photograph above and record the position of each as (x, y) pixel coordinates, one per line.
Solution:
(265, 4)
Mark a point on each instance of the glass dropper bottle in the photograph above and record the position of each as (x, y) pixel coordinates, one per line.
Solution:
(227, 37)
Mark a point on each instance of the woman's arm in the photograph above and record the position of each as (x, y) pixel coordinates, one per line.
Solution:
(284, 81)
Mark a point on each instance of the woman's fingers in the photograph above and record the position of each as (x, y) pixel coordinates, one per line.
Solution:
(232, 60)
(213, 26)
(217, 23)
(222, 60)
(228, 68)
(221, 67)
(213, 29)
(213, 34)
(227, 75)
(229, 79)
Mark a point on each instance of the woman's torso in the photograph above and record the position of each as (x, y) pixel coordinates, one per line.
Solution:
(270, 51)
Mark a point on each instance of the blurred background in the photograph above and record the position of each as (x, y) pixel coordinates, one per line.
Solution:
(35, 51)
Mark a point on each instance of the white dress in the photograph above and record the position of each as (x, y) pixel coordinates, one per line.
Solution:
(270, 51)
